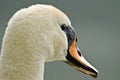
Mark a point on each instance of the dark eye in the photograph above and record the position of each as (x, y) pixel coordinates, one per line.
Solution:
(63, 27)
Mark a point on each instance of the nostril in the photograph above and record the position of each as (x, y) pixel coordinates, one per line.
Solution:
(79, 52)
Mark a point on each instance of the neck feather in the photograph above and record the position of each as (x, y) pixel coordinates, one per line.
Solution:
(21, 69)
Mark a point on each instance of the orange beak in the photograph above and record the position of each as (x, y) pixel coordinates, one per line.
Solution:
(76, 60)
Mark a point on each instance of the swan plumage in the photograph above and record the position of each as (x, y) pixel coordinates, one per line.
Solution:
(33, 36)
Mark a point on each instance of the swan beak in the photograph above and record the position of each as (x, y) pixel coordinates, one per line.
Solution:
(76, 60)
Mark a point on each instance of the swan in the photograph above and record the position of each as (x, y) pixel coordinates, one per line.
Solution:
(35, 35)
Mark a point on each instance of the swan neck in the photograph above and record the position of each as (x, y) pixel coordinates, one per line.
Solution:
(21, 70)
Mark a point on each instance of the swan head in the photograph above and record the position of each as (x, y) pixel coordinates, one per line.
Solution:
(48, 33)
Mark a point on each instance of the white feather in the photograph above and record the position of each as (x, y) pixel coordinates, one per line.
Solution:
(33, 36)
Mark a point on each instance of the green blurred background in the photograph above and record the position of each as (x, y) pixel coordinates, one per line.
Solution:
(97, 23)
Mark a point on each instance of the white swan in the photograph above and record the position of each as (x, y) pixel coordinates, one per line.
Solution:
(38, 34)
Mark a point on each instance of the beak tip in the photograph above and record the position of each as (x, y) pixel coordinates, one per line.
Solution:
(95, 75)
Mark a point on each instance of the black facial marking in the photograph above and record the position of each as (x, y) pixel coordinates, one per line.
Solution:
(69, 33)
(70, 37)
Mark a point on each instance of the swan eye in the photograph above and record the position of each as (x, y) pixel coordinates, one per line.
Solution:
(63, 27)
